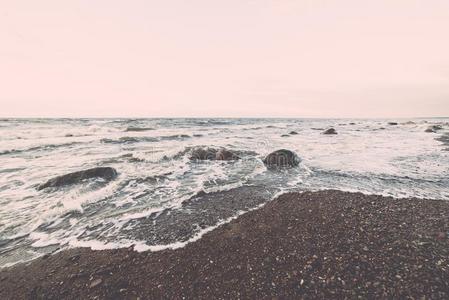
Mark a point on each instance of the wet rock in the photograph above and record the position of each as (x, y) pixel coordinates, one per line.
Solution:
(224, 154)
(330, 131)
(293, 132)
(69, 135)
(281, 158)
(285, 135)
(433, 128)
(393, 123)
(106, 173)
(203, 154)
(212, 154)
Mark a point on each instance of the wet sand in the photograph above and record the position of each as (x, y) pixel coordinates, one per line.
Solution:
(325, 244)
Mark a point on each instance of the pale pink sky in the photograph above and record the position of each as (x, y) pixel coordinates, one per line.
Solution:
(142, 58)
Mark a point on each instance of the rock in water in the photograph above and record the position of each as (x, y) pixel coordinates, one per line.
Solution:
(433, 128)
(212, 154)
(203, 154)
(106, 173)
(393, 123)
(330, 131)
(224, 154)
(281, 159)
(293, 132)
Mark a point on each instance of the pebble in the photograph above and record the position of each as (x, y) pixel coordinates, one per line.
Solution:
(96, 282)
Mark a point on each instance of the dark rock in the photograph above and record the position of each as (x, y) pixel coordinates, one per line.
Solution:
(433, 128)
(212, 154)
(203, 154)
(224, 154)
(392, 123)
(106, 173)
(330, 131)
(293, 132)
(282, 158)
(285, 135)
(69, 135)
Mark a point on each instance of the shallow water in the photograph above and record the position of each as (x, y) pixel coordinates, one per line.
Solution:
(150, 203)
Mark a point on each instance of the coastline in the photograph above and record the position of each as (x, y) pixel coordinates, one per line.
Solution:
(313, 244)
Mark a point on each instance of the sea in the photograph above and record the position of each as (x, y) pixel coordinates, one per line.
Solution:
(162, 199)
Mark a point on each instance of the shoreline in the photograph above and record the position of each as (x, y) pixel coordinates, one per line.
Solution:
(313, 244)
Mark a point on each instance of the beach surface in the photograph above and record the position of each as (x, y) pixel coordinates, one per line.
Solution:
(326, 244)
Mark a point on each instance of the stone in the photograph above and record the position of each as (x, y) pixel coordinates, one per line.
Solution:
(330, 131)
(282, 158)
(106, 173)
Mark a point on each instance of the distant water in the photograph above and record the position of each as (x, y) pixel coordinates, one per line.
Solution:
(156, 177)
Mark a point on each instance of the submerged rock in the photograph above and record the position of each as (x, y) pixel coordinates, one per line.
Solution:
(293, 132)
(212, 154)
(281, 158)
(106, 173)
(393, 123)
(330, 131)
(433, 128)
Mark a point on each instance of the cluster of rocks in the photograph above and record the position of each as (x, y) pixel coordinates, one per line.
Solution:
(278, 159)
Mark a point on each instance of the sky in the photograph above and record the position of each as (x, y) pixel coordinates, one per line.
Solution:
(233, 58)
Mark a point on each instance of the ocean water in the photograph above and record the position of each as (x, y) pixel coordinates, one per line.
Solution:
(161, 199)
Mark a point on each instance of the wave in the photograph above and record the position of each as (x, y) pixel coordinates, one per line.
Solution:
(145, 139)
(129, 140)
(174, 137)
(39, 148)
(138, 129)
(444, 139)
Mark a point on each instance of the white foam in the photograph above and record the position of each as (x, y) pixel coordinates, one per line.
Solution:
(140, 215)
(42, 240)
(141, 246)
